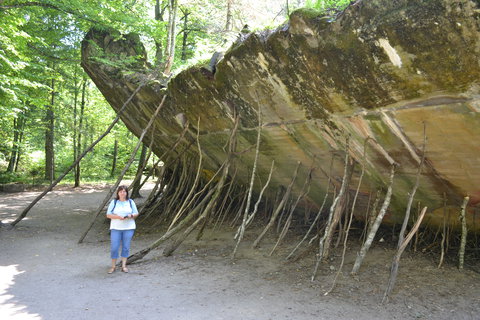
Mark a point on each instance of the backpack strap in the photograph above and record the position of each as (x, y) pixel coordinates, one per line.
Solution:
(115, 203)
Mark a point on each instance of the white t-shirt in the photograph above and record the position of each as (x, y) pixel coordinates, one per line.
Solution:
(122, 209)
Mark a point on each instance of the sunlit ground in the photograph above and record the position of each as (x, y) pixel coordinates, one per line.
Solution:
(9, 212)
(8, 308)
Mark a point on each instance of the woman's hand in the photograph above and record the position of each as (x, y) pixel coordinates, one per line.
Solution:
(114, 216)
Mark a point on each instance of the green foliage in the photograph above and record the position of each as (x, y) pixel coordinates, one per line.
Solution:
(40, 62)
(327, 5)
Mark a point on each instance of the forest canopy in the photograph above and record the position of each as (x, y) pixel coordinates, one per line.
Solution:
(51, 111)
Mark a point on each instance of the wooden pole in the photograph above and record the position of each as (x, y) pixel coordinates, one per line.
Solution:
(278, 209)
(255, 207)
(401, 236)
(328, 232)
(250, 189)
(442, 244)
(142, 253)
(463, 242)
(302, 194)
(350, 218)
(396, 258)
(368, 242)
(316, 217)
(195, 183)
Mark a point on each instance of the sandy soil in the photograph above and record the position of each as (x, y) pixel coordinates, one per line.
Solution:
(45, 274)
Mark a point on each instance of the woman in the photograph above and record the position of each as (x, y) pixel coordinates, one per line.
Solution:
(122, 211)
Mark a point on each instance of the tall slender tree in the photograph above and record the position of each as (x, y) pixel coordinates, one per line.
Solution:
(160, 8)
(78, 146)
(171, 35)
(49, 135)
(229, 22)
(186, 31)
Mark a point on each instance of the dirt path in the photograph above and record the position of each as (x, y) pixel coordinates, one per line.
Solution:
(45, 274)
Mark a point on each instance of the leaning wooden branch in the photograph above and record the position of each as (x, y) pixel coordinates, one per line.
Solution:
(402, 242)
(442, 243)
(167, 235)
(152, 196)
(278, 209)
(338, 211)
(303, 192)
(255, 207)
(250, 189)
(187, 199)
(396, 258)
(113, 188)
(463, 242)
(316, 217)
(192, 214)
(136, 186)
(324, 241)
(350, 218)
(368, 242)
(212, 203)
(414, 190)
(80, 157)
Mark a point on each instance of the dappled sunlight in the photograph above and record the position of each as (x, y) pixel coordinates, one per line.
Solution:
(10, 213)
(12, 204)
(9, 308)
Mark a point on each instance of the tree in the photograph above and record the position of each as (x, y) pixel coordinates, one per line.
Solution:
(229, 23)
(78, 134)
(49, 138)
(186, 31)
(171, 35)
(160, 7)
(114, 160)
(18, 127)
(49, 113)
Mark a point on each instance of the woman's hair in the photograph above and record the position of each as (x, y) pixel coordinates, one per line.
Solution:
(119, 189)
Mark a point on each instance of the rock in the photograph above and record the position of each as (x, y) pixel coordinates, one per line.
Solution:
(377, 73)
(12, 187)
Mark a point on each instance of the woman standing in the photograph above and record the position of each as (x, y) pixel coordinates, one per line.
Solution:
(122, 212)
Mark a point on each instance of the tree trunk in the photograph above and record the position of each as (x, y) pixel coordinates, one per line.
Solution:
(171, 35)
(396, 258)
(229, 22)
(141, 164)
(160, 8)
(79, 134)
(114, 161)
(75, 127)
(17, 129)
(463, 241)
(23, 119)
(338, 210)
(373, 231)
(185, 34)
(49, 137)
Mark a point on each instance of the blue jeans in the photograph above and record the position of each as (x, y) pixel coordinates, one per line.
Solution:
(120, 236)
